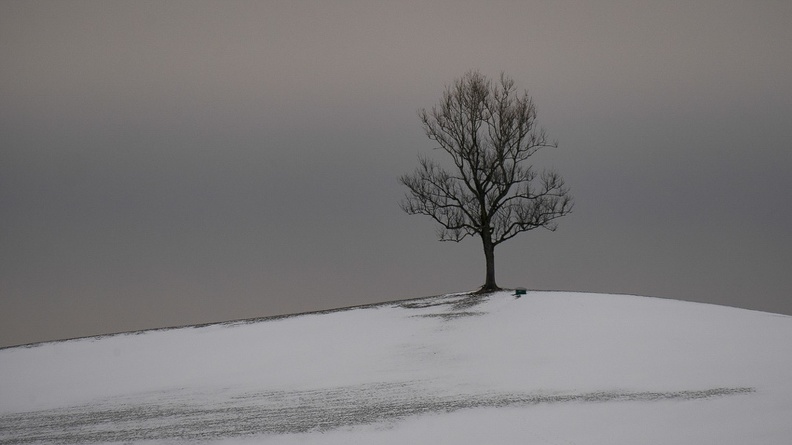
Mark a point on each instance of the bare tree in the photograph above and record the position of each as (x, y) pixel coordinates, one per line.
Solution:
(489, 131)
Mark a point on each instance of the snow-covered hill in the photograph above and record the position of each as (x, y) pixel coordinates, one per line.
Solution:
(547, 368)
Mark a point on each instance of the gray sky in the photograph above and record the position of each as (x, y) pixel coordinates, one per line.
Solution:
(170, 163)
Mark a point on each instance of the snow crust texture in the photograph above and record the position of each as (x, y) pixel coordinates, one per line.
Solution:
(549, 367)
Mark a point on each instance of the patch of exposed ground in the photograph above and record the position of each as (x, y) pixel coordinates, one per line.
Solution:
(446, 316)
(455, 302)
(185, 416)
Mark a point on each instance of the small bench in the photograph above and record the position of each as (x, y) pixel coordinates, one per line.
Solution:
(520, 291)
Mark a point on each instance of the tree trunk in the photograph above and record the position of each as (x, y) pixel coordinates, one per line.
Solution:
(489, 256)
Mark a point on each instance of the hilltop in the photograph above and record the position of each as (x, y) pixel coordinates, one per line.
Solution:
(549, 367)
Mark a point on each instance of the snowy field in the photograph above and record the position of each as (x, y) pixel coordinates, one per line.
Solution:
(548, 368)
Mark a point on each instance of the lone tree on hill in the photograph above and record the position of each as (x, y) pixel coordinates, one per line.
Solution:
(492, 191)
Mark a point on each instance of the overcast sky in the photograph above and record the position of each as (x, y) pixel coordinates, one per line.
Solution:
(171, 163)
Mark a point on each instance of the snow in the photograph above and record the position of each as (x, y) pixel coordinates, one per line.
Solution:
(549, 367)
